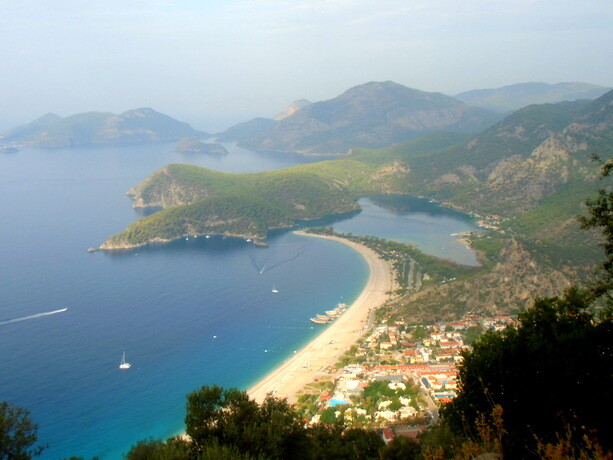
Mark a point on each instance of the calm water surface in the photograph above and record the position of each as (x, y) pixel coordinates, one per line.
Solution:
(430, 227)
(190, 313)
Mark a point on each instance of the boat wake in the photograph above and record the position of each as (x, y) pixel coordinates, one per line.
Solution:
(273, 260)
(38, 315)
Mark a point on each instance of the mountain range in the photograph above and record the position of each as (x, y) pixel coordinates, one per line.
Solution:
(513, 97)
(374, 114)
(100, 128)
(378, 114)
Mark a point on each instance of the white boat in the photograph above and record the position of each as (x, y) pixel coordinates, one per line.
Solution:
(317, 320)
(124, 364)
(274, 289)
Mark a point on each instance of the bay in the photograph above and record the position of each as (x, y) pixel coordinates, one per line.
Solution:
(428, 226)
(197, 311)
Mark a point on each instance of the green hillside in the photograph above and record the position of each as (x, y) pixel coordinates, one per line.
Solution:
(200, 201)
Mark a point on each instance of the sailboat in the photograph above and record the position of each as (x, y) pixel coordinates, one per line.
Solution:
(274, 289)
(124, 364)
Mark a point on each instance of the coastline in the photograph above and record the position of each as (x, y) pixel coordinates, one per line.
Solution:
(325, 349)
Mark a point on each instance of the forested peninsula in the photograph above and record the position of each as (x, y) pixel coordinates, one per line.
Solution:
(199, 201)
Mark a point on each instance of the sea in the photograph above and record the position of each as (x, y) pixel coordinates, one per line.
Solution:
(193, 312)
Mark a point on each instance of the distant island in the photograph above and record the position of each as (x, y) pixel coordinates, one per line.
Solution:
(189, 144)
(143, 125)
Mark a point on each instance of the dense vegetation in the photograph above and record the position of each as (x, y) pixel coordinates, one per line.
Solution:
(246, 205)
(227, 424)
(17, 433)
(552, 370)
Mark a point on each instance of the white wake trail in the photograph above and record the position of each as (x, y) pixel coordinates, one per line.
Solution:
(38, 315)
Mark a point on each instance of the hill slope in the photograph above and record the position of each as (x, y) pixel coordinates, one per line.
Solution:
(96, 128)
(292, 109)
(533, 169)
(374, 114)
(200, 201)
(514, 97)
(245, 130)
(515, 164)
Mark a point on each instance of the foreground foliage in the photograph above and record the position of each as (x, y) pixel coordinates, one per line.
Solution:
(17, 433)
(554, 369)
(226, 423)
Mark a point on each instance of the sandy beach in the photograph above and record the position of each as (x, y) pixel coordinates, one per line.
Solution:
(325, 350)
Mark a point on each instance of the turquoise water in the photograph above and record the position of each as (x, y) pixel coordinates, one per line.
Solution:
(431, 228)
(189, 313)
(338, 402)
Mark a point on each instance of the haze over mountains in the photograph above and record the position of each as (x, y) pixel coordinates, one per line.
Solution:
(514, 97)
(96, 128)
(378, 114)
(246, 130)
(374, 114)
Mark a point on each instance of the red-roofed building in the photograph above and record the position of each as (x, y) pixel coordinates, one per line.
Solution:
(387, 435)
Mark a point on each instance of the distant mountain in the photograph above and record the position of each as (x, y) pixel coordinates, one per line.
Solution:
(31, 129)
(514, 97)
(245, 130)
(96, 128)
(374, 114)
(293, 108)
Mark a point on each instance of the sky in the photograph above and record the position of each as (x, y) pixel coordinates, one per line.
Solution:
(214, 63)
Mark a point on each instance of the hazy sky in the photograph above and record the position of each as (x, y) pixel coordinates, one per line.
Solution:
(214, 62)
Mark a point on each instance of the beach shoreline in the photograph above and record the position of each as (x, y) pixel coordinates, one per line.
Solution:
(323, 351)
